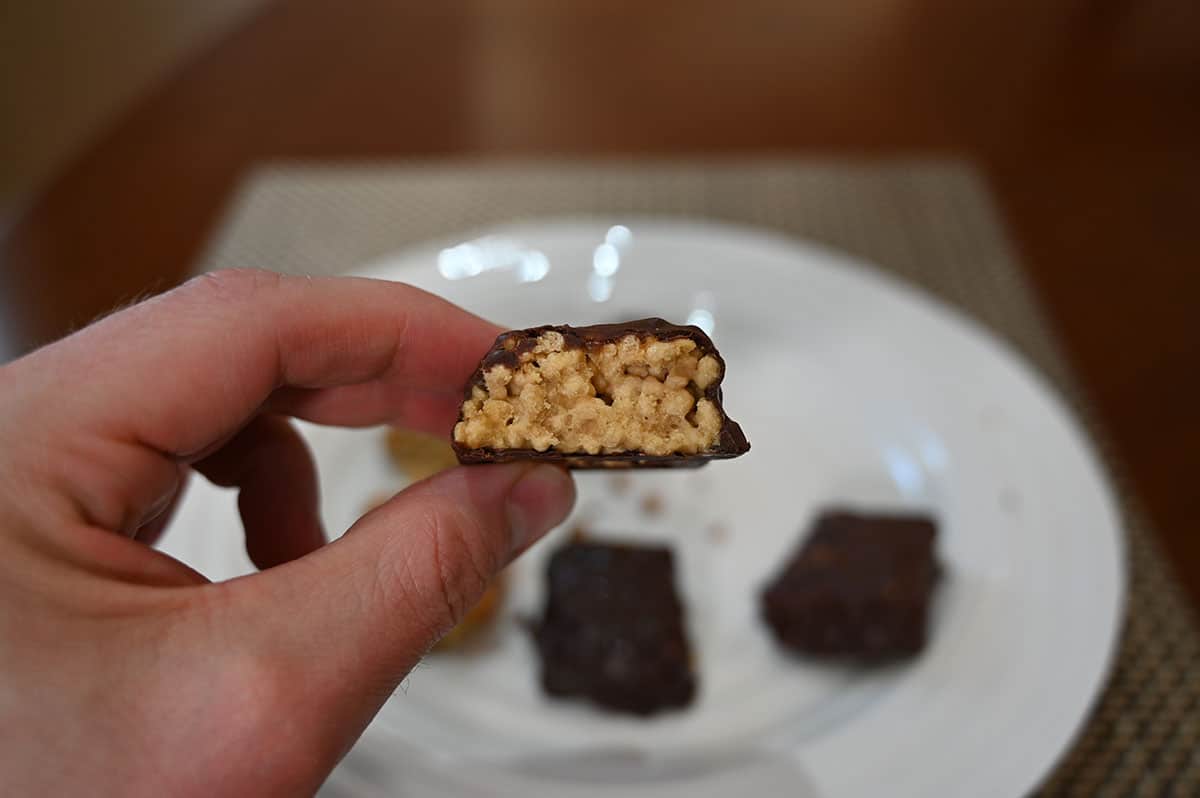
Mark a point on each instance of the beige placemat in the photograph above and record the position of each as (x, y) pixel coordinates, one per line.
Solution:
(930, 223)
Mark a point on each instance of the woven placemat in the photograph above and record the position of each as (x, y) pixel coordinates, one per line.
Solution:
(928, 222)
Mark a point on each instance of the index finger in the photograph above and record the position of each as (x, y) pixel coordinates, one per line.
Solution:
(188, 368)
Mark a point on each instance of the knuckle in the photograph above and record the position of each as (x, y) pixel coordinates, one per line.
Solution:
(445, 565)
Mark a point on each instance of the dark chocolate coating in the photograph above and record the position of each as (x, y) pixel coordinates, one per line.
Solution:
(507, 351)
(859, 588)
(613, 631)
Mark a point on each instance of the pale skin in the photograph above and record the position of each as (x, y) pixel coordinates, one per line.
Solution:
(125, 672)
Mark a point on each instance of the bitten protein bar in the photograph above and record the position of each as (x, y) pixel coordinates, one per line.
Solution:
(643, 393)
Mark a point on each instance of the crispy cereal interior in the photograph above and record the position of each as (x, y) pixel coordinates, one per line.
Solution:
(636, 394)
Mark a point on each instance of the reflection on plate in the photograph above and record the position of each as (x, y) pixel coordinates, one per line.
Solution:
(855, 390)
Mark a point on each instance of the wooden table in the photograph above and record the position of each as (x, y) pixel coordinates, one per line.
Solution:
(1084, 115)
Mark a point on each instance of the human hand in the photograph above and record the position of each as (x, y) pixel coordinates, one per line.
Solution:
(123, 671)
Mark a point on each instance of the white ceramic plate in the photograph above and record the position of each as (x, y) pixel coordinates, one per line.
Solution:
(853, 389)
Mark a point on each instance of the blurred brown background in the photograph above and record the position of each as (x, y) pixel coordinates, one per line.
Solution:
(127, 123)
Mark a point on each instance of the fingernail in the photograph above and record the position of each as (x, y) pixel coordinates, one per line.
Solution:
(538, 502)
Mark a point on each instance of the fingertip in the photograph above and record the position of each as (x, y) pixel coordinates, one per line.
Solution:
(540, 500)
(524, 499)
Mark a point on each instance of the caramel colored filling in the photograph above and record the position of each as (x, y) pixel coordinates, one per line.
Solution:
(637, 394)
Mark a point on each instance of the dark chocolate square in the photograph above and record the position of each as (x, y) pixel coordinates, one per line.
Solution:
(859, 588)
(613, 629)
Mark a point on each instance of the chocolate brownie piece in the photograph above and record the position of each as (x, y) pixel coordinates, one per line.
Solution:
(613, 628)
(859, 588)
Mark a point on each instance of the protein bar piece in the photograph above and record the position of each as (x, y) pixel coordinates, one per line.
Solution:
(613, 629)
(642, 393)
(859, 588)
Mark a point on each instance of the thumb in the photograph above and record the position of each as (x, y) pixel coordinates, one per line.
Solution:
(345, 623)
